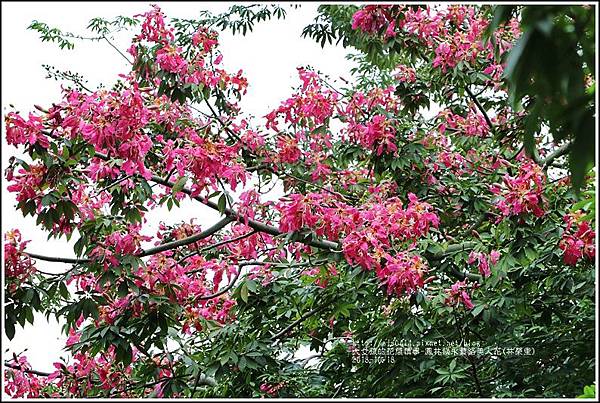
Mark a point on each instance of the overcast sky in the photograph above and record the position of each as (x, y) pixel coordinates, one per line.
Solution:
(269, 57)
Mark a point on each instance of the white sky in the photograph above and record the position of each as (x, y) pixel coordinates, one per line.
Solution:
(269, 57)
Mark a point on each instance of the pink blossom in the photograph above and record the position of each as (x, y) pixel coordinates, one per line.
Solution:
(457, 295)
(20, 131)
(578, 240)
(522, 193)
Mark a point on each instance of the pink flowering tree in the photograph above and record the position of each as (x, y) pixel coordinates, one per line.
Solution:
(418, 249)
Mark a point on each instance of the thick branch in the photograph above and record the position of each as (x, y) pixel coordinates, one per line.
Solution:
(459, 247)
(453, 249)
(152, 251)
(30, 371)
(464, 275)
(258, 226)
(191, 239)
(559, 152)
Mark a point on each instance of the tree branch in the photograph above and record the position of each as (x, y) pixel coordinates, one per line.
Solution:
(152, 251)
(298, 321)
(30, 371)
(474, 371)
(459, 247)
(226, 241)
(259, 226)
(559, 152)
(480, 107)
(117, 49)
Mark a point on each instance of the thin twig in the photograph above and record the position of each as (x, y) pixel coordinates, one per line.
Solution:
(117, 49)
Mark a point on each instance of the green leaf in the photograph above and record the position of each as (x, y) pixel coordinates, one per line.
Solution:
(252, 286)
(9, 329)
(222, 203)
(244, 293)
(63, 291)
(589, 392)
(179, 184)
(123, 290)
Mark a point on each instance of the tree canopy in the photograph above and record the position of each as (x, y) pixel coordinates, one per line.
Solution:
(436, 236)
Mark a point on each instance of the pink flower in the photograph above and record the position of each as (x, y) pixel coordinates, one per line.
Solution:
(154, 28)
(370, 19)
(483, 261)
(207, 39)
(523, 193)
(458, 295)
(378, 134)
(578, 240)
(18, 267)
(288, 149)
(313, 104)
(403, 274)
(494, 256)
(169, 59)
(406, 74)
(22, 384)
(20, 131)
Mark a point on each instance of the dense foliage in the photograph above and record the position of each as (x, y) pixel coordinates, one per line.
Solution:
(419, 250)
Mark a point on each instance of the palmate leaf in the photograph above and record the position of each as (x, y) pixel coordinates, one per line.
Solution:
(544, 67)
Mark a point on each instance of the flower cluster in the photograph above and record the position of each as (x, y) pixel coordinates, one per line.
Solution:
(371, 19)
(322, 276)
(403, 273)
(198, 69)
(321, 212)
(119, 244)
(457, 295)
(18, 383)
(473, 125)
(207, 160)
(289, 152)
(21, 131)
(272, 390)
(381, 223)
(483, 261)
(367, 233)
(262, 273)
(405, 74)
(378, 134)
(312, 105)
(461, 47)
(28, 183)
(362, 105)
(18, 267)
(453, 34)
(102, 369)
(206, 38)
(112, 121)
(578, 240)
(522, 193)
